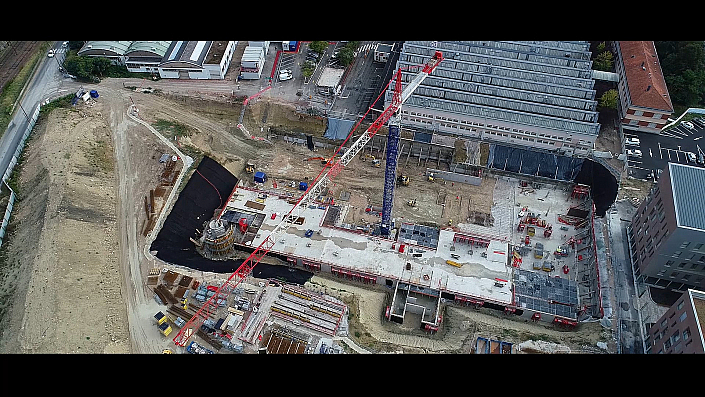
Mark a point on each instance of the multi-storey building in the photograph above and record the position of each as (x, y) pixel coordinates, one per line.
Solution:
(667, 233)
(644, 103)
(536, 94)
(679, 330)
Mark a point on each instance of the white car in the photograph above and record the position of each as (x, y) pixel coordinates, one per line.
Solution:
(51, 53)
(634, 153)
(285, 75)
(632, 141)
(64, 44)
(691, 157)
(688, 124)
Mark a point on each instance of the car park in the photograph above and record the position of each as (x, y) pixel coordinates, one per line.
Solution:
(632, 141)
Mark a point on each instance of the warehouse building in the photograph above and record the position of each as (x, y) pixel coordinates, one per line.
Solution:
(526, 95)
(680, 329)
(113, 50)
(644, 103)
(199, 60)
(667, 233)
(145, 56)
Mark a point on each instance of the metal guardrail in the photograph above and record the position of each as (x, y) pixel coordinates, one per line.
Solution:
(11, 166)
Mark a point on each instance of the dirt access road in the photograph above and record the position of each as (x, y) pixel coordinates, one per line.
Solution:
(76, 262)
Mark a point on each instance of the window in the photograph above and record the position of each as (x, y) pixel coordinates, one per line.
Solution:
(686, 333)
(668, 263)
(693, 266)
(680, 305)
(682, 265)
(683, 316)
(678, 254)
(697, 246)
(685, 245)
(663, 323)
(674, 274)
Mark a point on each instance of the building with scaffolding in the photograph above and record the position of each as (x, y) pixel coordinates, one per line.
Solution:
(535, 95)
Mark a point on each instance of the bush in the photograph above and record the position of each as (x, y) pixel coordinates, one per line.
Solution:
(318, 46)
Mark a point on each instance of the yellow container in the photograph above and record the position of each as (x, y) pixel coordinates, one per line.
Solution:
(453, 263)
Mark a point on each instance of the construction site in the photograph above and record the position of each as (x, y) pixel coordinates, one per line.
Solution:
(383, 243)
(477, 238)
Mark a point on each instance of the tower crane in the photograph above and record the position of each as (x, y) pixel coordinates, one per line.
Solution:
(324, 178)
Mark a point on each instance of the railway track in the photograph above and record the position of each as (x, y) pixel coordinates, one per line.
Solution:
(13, 58)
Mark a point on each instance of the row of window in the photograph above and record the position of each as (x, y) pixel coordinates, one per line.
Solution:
(458, 124)
(675, 338)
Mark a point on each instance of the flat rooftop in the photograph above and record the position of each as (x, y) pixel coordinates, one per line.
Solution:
(373, 255)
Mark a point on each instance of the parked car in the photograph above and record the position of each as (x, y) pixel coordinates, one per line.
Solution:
(691, 157)
(688, 125)
(64, 44)
(701, 159)
(634, 153)
(632, 141)
(285, 75)
(51, 53)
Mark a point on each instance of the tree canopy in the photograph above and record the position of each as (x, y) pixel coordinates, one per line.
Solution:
(683, 66)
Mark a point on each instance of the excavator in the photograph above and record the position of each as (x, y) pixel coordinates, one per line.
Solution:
(404, 180)
(411, 203)
(250, 167)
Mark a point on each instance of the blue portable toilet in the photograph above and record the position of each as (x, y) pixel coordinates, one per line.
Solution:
(94, 94)
(260, 177)
(303, 186)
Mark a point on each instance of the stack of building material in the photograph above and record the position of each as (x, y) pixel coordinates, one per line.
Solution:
(252, 62)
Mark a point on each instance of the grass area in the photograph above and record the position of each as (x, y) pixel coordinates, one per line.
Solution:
(171, 129)
(12, 89)
(100, 155)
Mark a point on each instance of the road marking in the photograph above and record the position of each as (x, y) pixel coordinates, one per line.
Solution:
(659, 150)
(650, 154)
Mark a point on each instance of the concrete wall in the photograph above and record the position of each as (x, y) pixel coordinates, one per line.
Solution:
(455, 177)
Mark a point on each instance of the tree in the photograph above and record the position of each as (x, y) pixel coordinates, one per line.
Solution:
(604, 61)
(345, 56)
(683, 67)
(601, 47)
(608, 100)
(318, 46)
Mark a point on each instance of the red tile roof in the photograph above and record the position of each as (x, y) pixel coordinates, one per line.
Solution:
(647, 87)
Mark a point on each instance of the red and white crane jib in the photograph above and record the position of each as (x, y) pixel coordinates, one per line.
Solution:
(321, 182)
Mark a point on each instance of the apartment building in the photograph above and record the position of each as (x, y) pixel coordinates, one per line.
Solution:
(679, 330)
(644, 103)
(667, 233)
(535, 94)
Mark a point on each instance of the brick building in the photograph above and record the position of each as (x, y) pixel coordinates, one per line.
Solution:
(679, 330)
(644, 103)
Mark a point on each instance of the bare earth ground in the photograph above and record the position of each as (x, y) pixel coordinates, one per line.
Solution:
(64, 242)
(79, 266)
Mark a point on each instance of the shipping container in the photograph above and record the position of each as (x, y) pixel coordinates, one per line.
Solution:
(260, 177)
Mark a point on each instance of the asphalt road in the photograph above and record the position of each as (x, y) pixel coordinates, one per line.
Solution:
(47, 82)
(670, 146)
